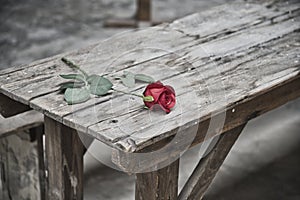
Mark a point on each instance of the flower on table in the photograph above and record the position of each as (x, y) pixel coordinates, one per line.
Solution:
(82, 86)
(163, 95)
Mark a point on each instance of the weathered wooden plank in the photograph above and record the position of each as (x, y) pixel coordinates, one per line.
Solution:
(35, 81)
(58, 108)
(40, 70)
(158, 185)
(235, 15)
(64, 152)
(10, 107)
(255, 37)
(11, 70)
(43, 79)
(240, 80)
(20, 122)
(208, 166)
(97, 59)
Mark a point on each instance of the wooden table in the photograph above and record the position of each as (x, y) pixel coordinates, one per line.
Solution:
(227, 65)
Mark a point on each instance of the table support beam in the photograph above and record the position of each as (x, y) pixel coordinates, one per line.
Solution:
(208, 167)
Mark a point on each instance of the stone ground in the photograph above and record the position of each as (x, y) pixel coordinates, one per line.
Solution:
(264, 163)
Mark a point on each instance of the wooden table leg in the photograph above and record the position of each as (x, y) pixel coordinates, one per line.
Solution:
(158, 185)
(64, 153)
(143, 14)
(208, 167)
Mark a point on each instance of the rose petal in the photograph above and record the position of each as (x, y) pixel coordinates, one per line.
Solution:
(167, 100)
(171, 101)
(154, 90)
(170, 88)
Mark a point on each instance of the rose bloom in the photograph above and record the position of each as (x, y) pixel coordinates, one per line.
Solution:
(163, 95)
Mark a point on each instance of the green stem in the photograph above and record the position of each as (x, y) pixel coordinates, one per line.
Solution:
(72, 65)
(137, 95)
(116, 77)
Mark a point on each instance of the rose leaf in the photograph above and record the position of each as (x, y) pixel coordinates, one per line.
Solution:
(76, 95)
(100, 86)
(144, 78)
(128, 80)
(79, 77)
(92, 77)
(71, 85)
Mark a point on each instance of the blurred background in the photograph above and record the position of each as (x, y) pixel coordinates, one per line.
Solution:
(264, 163)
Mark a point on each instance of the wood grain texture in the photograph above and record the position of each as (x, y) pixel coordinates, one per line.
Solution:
(213, 63)
(208, 166)
(158, 185)
(64, 153)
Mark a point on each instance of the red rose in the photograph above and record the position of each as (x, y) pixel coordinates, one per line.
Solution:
(164, 95)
